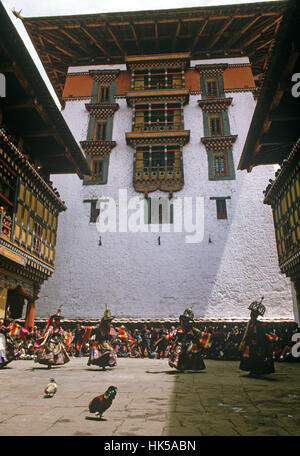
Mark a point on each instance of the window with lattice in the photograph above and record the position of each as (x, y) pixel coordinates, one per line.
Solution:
(216, 125)
(100, 131)
(103, 94)
(97, 166)
(212, 88)
(35, 224)
(220, 164)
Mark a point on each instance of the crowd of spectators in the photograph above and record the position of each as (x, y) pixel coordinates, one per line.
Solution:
(155, 341)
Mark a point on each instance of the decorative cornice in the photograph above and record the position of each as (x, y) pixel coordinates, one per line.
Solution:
(215, 104)
(164, 137)
(71, 98)
(238, 65)
(211, 70)
(29, 259)
(291, 266)
(244, 89)
(164, 185)
(102, 110)
(104, 77)
(32, 270)
(78, 73)
(178, 60)
(217, 143)
(157, 96)
(102, 148)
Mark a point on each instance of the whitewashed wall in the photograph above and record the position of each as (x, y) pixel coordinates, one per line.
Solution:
(138, 278)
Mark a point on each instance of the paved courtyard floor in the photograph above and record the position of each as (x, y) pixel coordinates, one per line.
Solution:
(152, 400)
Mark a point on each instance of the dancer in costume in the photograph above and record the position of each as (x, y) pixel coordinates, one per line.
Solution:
(51, 347)
(256, 344)
(6, 346)
(102, 353)
(188, 344)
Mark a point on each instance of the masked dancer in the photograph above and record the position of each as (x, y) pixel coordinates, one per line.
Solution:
(102, 353)
(256, 344)
(189, 344)
(51, 348)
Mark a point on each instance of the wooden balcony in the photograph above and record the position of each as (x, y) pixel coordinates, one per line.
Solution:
(157, 136)
(158, 126)
(151, 178)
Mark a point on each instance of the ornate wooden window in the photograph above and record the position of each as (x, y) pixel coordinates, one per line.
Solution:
(35, 223)
(212, 88)
(7, 197)
(100, 131)
(215, 125)
(103, 94)
(157, 79)
(220, 164)
(97, 167)
(158, 117)
(157, 158)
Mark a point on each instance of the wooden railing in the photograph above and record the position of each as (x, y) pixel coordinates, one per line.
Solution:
(158, 173)
(159, 85)
(158, 126)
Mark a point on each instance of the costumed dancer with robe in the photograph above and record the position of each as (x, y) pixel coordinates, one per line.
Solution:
(51, 348)
(256, 344)
(188, 344)
(102, 353)
(6, 346)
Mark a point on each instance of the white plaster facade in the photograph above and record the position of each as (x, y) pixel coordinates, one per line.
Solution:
(138, 278)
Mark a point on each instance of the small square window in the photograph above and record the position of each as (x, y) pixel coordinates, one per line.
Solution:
(94, 212)
(221, 208)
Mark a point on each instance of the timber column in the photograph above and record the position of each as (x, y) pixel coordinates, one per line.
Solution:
(30, 312)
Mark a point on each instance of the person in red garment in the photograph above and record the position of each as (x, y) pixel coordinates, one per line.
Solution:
(102, 353)
(6, 348)
(51, 349)
(256, 344)
(188, 344)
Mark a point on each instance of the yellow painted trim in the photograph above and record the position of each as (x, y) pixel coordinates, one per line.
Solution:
(29, 253)
(12, 256)
(147, 58)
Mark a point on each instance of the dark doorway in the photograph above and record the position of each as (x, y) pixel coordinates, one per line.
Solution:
(14, 305)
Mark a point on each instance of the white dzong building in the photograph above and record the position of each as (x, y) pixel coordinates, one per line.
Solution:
(165, 221)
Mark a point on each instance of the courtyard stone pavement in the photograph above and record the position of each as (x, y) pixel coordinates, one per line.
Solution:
(152, 400)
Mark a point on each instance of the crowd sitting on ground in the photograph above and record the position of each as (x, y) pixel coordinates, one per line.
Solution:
(154, 341)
